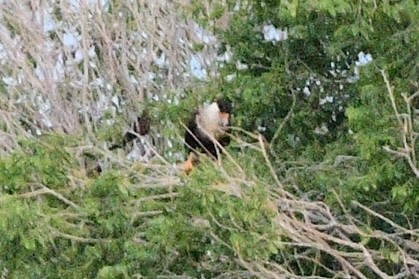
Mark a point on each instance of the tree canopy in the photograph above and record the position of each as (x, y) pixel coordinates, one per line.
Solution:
(321, 180)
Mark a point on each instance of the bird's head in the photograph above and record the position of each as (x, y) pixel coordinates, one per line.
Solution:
(225, 108)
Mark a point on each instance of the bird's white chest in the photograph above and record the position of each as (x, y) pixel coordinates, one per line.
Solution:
(208, 119)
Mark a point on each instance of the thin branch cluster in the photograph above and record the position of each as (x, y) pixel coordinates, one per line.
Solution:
(68, 66)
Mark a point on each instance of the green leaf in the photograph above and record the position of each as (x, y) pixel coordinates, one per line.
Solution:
(273, 248)
(211, 197)
(123, 190)
(236, 240)
(395, 257)
(28, 242)
(291, 6)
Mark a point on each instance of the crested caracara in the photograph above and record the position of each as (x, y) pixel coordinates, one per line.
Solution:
(207, 125)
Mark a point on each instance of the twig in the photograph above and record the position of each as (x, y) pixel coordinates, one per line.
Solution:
(281, 126)
(77, 238)
(409, 136)
(45, 190)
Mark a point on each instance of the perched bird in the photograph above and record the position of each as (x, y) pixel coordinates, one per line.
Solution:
(137, 142)
(209, 124)
(140, 127)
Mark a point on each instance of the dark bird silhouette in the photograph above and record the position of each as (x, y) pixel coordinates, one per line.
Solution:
(208, 125)
(140, 127)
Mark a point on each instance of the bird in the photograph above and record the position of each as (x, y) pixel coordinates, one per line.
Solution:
(207, 126)
(140, 127)
(138, 142)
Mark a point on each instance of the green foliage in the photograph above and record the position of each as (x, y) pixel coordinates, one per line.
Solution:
(278, 73)
(93, 230)
(54, 224)
(36, 163)
(44, 236)
(210, 206)
(324, 38)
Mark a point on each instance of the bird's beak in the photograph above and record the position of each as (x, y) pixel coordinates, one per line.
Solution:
(188, 166)
(191, 162)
